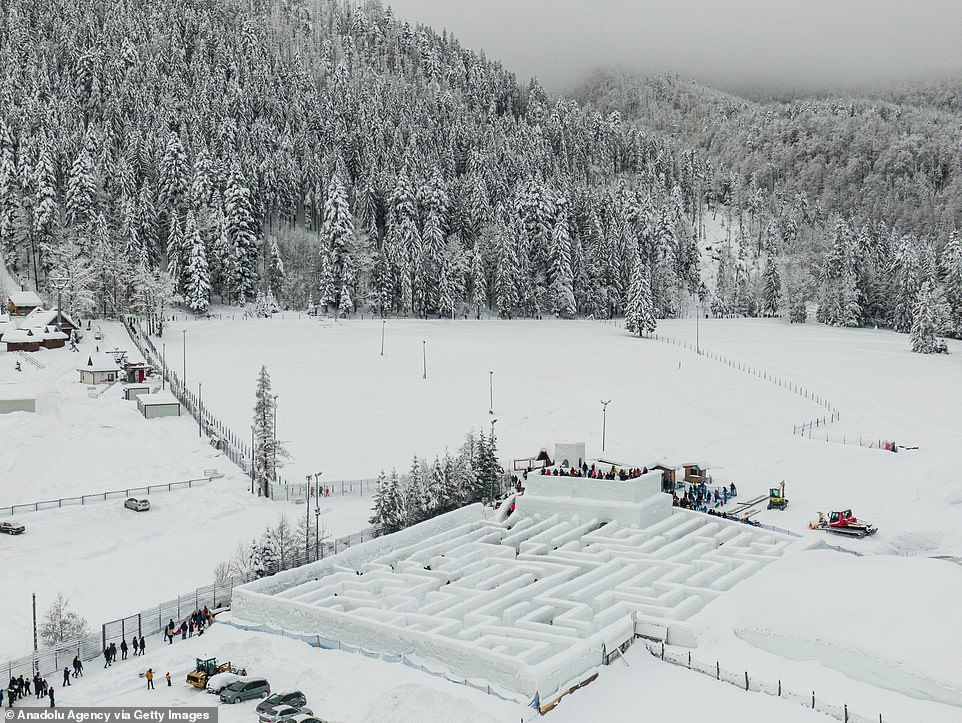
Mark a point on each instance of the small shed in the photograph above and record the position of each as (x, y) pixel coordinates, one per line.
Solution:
(158, 404)
(133, 391)
(569, 454)
(696, 474)
(136, 370)
(52, 339)
(23, 302)
(667, 476)
(22, 339)
(99, 369)
(17, 398)
(48, 317)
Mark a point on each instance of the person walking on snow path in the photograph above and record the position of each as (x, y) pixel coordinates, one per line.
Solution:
(66, 676)
(106, 658)
(150, 678)
(168, 678)
(52, 704)
(143, 647)
(123, 649)
(136, 643)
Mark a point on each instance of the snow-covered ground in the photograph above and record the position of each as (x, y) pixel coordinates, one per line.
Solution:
(346, 410)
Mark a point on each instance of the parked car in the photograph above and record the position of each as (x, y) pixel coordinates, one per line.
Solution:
(11, 528)
(98, 335)
(246, 689)
(282, 713)
(293, 698)
(217, 683)
(303, 718)
(136, 505)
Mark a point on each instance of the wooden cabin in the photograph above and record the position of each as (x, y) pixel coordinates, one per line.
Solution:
(21, 303)
(22, 339)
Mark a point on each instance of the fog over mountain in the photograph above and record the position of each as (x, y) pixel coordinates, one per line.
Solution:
(763, 44)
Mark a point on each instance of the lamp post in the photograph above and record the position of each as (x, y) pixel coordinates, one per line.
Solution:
(424, 356)
(252, 459)
(317, 514)
(697, 341)
(59, 283)
(383, 324)
(274, 448)
(491, 390)
(604, 421)
(491, 488)
(163, 359)
(307, 520)
(184, 380)
(200, 411)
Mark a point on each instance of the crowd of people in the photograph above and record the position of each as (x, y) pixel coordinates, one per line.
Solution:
(701, 498)
(594, 472)
(21, 687)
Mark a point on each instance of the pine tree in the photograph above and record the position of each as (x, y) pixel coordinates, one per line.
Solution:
(508, 273)
(951, 266)
(241, 229)
(337, 234)
(8, 196)
(46, 209)
(174, 177)
(773, 284)
(268, 452)
(639, 311)
(415, 494)
(176, 252)
(931, 312)
(437, 490)
(197, 273)
(562, 292)
(488, 468)
(479, 280)
(81, 190)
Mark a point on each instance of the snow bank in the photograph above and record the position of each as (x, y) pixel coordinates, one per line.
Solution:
(874, 619)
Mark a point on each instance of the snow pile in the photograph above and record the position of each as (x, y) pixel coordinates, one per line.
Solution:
(529, 603)
(873, 619)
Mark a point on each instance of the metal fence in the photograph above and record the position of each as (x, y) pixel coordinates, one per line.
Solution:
(744, 680)
(298, 491)
(153, 620)
(104, 496)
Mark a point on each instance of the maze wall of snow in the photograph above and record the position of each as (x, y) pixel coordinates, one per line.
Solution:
(527, 601)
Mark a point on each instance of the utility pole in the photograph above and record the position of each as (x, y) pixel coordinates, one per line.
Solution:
(383, 323)
(252, 459)
(35, 628)
(274, 448)
(200, 410)
(163, 358)
(424, 355)
(307, 521)
(604, 421)
(317, 514)
(491, 390)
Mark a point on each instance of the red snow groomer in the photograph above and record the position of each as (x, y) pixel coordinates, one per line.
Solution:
(843, 523)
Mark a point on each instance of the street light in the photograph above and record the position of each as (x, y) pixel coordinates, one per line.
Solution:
(163, 359)
(491, 488)
(274, 448)
(317, 514)
(424, 355)
(491, 389)
(383, 324)
(604, 421)
(185, 359)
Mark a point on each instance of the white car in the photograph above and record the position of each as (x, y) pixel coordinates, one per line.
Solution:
(136, 505)
(303, 718)
(217, 683)
(282, 714)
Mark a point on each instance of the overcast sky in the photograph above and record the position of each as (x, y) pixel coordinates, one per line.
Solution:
(809, 44)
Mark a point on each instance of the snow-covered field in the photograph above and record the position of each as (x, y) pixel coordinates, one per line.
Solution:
(346, 410)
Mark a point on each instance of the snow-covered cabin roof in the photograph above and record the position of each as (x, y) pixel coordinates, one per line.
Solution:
(50, 332)
(161, 397)
(20, 336)
(24, 298)
(99, 363)
(45, 317)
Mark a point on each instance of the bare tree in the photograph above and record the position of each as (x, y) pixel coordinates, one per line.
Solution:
(60, 623)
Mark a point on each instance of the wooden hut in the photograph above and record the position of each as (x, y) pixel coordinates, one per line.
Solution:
(22, 339)
(21, 303)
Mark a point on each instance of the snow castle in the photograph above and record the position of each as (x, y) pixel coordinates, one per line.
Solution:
(528, 600)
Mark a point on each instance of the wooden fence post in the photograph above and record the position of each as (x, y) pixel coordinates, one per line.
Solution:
(746, 680)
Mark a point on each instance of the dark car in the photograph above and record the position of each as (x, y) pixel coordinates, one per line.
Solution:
(11, 528)
(293, 698)
(246, 689)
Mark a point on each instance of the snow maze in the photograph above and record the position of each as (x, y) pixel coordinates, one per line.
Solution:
(527, 601)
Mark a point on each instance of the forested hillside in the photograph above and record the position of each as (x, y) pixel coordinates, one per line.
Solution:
(326, 153)
(877, 180)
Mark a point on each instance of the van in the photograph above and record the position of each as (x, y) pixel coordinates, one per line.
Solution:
(246, 689)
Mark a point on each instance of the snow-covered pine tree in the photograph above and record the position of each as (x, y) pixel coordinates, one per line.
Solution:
(479, 280)
(268, 452)
(310, 309)
(241, 229)
(176, 252)
(561, 291)
(437, 497)
(337, 234)
(9, 192)
(415, 494)
(951, 267)
(772, 291)
(639, 310)
(147, 221)
(281, 546)
(928, 324)
(174, 184)
(275, 266)
(81, 190)
(488, 468)
(46, 215)
(196, 272)
(507, 272)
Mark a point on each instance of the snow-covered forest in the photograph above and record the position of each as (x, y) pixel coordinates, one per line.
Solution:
(327, 154)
